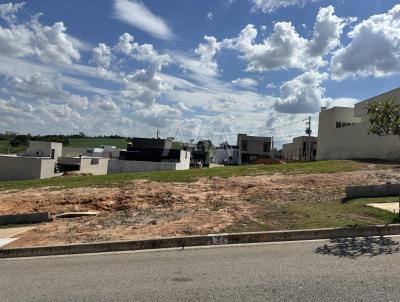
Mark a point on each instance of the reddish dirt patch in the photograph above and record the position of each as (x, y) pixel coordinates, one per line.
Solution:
(145, 209)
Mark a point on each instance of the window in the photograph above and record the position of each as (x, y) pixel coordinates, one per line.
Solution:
(244, 145)
(94, 161)
(343, 124)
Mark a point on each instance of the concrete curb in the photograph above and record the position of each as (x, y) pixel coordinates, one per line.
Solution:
(201, 240)
(25, 218)
(384, 190)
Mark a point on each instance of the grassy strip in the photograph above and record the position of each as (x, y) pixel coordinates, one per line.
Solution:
(310, 215)
(184, 176)
(3, 146)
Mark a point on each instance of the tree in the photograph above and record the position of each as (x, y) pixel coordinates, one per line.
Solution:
(384, 118)
(19, 140)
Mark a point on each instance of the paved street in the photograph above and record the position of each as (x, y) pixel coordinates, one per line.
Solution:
(365, 269)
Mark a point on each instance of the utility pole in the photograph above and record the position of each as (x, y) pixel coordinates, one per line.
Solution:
(308, 131)
(271, 151)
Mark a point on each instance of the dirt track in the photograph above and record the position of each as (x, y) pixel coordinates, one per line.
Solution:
(144, 209)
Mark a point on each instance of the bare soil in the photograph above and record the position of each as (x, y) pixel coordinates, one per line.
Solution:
(147, 209)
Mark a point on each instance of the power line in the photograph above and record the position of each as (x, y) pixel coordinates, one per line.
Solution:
(282, 126)
(255, 130)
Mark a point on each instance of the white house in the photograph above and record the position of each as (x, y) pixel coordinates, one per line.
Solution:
(343, 133)
(44, 160)
(298, 149)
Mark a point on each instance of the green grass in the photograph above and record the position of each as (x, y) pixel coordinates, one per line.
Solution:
(97, 142)
(308, 215)
(4, 146)
(184, 176)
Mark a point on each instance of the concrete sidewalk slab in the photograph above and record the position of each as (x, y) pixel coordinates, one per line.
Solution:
(8, 235)
(11, 232)
(5, 241)
(387, 206)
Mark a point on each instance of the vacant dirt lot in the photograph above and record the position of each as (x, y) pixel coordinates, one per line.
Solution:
(144, 209)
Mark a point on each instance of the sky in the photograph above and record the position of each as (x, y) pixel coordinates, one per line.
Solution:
(191, 69)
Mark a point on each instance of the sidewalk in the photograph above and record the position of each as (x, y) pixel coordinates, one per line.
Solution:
(7, 234)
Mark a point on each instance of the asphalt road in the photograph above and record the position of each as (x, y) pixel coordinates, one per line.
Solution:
(343, 270)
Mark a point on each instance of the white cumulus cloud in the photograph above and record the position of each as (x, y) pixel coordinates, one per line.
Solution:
(374, 48)
(47, 43)
(101, 55)
(284, 48)
(303, 94)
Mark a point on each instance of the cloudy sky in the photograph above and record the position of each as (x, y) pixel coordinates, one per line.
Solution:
(193, 69)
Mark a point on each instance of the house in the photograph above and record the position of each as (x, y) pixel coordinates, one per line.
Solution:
(203, 152)
(44, 149)
(45, 160)
(150, 154)
(105, 151)
(303, 148)
(252, 148)
(14, 167)
(83, 165)
(227, 154)
(343, 133)
(37, 162)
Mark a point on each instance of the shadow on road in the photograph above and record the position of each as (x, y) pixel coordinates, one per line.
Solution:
(363, 246)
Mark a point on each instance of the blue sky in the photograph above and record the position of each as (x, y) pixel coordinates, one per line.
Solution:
(193, 69)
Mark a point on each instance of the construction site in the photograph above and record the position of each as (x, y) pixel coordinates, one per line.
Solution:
(144, 208)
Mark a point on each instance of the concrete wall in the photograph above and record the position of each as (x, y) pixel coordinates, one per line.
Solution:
(90, 165)
(94, 165)
(297, 151)
(184, 163)
(106, 152)
(360, 108)
(255, 147)
(19, 168)
(25, 218)
(43, 149)
(372, 191)
(222, 154)
(73, 151)
(255, 144)
(352, 142)
(130, 166)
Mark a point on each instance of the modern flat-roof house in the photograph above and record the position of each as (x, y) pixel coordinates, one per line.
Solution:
(44, 160)
(38, 161)
(300, 149)
(252, 148)
(149, 154)
(343, 133)
(227, 154)
(103, 151)
(203, 152)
